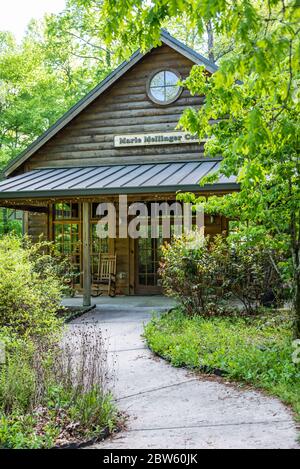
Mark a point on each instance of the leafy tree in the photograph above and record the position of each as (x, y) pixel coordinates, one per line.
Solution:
(124, 35)
(29, 95)
(76, 33)
(10, 222)
(254, 97)
(41, 78)
(29, 98)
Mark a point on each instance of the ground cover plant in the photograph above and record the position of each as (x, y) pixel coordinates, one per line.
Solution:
(254, 350)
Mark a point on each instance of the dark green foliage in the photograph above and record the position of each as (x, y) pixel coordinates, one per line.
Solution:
(204, 274)
(10, 222)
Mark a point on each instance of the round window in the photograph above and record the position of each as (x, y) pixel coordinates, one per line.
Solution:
(163, 87)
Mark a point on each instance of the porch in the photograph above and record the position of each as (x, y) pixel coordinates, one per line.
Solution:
(61, 205)
(150, 302)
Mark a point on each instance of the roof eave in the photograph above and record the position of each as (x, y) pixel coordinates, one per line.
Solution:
(116, 191)
(189, 53)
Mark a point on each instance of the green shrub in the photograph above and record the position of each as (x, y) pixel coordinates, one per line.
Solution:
(48, 261)
(26, 371)
(17, 384)
(192, 270)
(251, 275)
(29, 295)
(255, 350)
(203, 273)
(93, 410)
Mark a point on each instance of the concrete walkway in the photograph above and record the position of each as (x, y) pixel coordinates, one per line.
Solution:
(172, 408)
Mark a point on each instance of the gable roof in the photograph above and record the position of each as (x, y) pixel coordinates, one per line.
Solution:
(125, 66)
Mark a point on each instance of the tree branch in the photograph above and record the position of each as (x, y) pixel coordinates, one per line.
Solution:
(88, 42)
(91, 57)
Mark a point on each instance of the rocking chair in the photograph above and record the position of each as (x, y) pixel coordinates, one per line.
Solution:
(104, 280)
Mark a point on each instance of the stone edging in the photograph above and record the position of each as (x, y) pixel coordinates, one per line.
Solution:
(80, 313)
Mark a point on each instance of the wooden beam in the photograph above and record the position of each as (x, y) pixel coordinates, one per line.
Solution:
(86, 253)
(25, 207)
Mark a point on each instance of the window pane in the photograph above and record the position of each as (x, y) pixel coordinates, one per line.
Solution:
(142, 280)
(171, 92)
(58, 230)
(75, 236)
(158, 93)
(66, 211)
(171, 78)
(58, 211)
(98, 244)
(67, 247)
(74, 210)
(151, 280)
(94, 209)
(163, 86)
(158, 80)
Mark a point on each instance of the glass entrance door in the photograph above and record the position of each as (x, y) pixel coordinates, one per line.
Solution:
(148, 255)
(67, 234)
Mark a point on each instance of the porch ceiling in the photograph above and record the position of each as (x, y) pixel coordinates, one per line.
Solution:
(114, 179)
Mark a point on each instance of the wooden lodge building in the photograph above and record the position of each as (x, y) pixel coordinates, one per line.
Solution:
(119, 139)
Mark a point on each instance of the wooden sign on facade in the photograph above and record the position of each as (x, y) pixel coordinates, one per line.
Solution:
(156, 138)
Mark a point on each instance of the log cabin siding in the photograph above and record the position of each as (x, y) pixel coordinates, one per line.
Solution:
(124, 108)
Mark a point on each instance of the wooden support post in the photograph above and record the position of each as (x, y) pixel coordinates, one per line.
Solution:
(86, 220)
(25, 223)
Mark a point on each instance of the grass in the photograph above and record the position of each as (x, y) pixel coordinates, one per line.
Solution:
(257, 351)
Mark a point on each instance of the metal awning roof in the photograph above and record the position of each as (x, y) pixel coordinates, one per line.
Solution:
(114, 179)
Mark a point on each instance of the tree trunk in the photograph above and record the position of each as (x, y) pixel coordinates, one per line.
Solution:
(210, 41)
(297, 306)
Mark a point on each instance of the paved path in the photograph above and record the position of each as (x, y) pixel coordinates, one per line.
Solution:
(171, 408)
